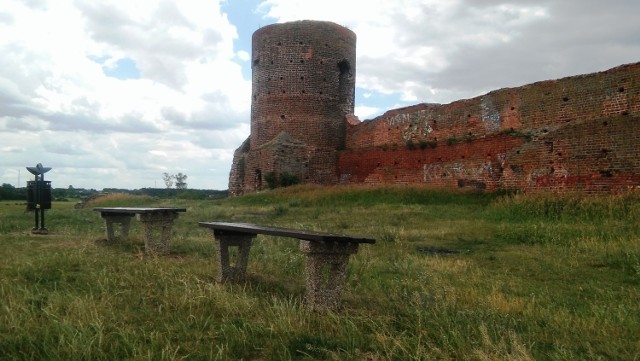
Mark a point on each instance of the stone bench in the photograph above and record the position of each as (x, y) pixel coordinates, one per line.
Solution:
(327, 256)
(157, 225)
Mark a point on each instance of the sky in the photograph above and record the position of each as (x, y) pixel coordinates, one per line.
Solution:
(113, 94)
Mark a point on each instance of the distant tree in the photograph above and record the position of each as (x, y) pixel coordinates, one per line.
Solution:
(7, 191)
(168, 179)
(180, 181)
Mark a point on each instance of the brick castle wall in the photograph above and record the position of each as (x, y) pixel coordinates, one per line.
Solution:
(576, 133)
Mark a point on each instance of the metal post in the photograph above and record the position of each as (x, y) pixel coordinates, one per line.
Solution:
(39, 192)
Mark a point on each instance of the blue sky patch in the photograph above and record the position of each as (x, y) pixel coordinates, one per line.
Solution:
(125, 69)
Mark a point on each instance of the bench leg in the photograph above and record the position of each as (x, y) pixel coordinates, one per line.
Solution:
(228, 271)
(111, 232)
(326, 272)
(157, 231)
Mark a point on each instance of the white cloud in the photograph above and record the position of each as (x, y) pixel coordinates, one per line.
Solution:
(53, 85)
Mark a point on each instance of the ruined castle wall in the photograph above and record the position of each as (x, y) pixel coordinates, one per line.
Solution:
(577, 133)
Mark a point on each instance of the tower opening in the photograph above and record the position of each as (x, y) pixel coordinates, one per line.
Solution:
(345, 67)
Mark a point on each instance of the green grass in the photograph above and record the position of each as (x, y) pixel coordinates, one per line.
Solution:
(544, 277)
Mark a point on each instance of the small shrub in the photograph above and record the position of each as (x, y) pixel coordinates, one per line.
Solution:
(452, 141)
(271, 180)
(287, 179)
(283, 180)
(424, 144)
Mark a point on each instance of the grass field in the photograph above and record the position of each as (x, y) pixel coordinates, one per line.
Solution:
(451, 277)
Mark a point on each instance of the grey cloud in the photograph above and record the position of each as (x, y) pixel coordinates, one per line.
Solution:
(56, 145)
(128, 123)
(109, 24)
(6, 19)
(173, 115)
(28, 124)
(36, 4)
(217, 139)
(14, 149)
(574, 37)
(159, 56)
(216, 114)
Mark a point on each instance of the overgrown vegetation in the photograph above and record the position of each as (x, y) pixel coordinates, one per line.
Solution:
(284, 179)
(453, 276)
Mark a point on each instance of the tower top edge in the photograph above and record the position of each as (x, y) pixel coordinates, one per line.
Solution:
(304, 24)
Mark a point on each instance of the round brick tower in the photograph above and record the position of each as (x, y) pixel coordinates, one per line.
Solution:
(303, 88)
(303, 82)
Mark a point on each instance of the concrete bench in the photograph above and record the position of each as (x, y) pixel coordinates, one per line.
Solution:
(157, 225)
(327, 256)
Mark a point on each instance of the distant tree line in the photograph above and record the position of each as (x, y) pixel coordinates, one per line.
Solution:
(9, 192)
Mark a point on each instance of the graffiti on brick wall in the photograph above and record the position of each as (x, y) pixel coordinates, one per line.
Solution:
(413, 124)
(490, 115)
(455, 170)
(558, 174)
(458, 170)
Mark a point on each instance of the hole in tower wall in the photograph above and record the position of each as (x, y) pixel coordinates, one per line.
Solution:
(256, 62)
(621, 89)
(282, 117)
(344, 66)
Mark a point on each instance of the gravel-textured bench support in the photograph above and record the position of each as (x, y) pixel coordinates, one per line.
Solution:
(228, 270)
(326, 271)
(157, 223)
(157, 231)
(327, 257)
(112, 231)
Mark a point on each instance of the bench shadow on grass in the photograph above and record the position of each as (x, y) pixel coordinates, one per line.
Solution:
(136, 246)
(258, 284)
(131, 246)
